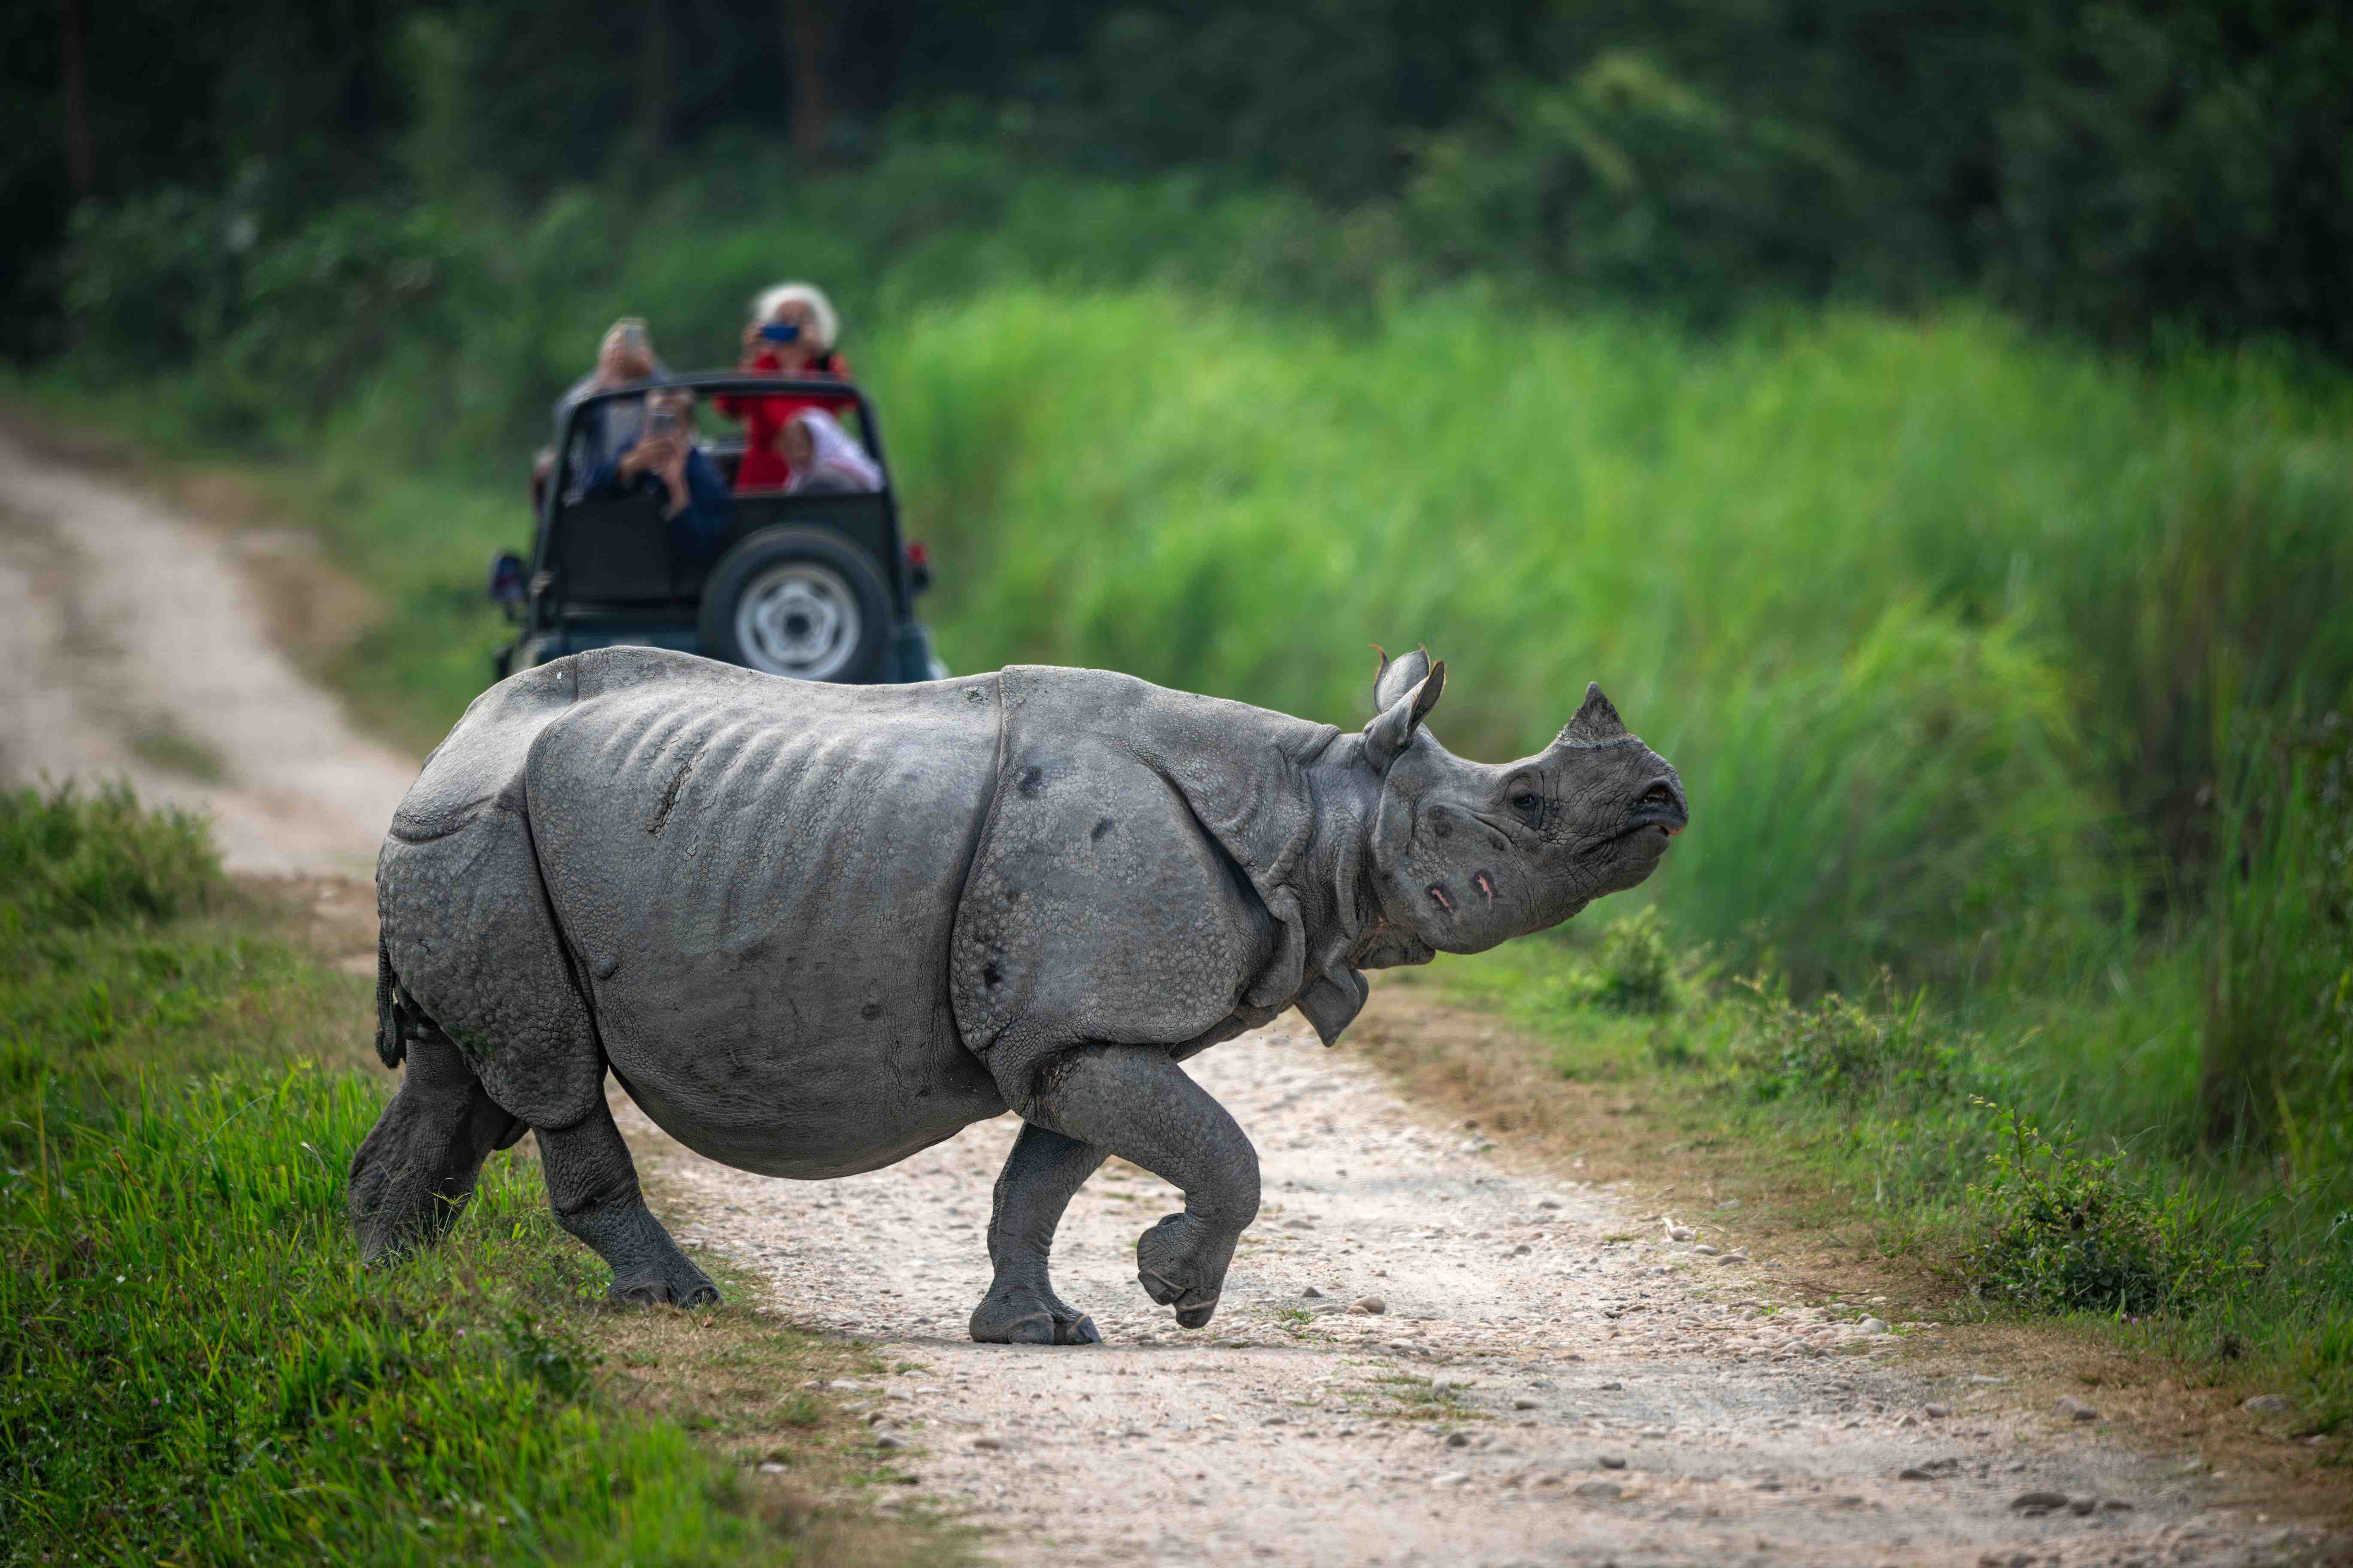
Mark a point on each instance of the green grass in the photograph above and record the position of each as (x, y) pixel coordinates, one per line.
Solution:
(193, 1366)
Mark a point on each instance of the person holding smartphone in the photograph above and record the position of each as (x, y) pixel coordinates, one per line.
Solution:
(665, 461)
(792, 333)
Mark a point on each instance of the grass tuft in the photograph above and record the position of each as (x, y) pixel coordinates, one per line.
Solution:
(72, 859)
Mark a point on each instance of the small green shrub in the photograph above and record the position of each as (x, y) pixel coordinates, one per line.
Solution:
(1848, 1052)
(71, 859)
(2071, 1233)
(1635, 968)
(1639, 970)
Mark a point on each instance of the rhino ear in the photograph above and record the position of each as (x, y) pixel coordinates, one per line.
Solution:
(1387, 737)
(1396, 677)
(1597, 722)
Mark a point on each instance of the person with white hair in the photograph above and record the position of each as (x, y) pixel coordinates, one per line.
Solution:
(792, 331)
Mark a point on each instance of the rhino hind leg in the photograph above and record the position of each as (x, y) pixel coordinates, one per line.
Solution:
(1041, 1175)
(417, 1166)
(593, 1185)
(1136, 1103)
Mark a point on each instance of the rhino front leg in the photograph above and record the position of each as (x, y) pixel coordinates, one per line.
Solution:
(594, 1186)
(1039, 1177)
(1137, 1103)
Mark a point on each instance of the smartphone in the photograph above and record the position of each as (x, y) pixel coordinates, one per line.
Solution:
(782, 331)
(662, 422)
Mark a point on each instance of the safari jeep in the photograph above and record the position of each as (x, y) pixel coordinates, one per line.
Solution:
(816, 586)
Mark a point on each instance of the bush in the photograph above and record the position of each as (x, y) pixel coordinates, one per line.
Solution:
(1847, 1053)
(2070, 1233)
(1639, 969)
(77, 860)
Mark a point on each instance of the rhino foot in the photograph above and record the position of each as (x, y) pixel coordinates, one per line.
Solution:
(682, 1286)
(1182, 1264)
(1022, 1317)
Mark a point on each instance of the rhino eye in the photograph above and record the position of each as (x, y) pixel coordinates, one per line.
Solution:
(1528, 801)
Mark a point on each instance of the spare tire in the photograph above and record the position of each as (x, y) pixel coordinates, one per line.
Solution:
(796, 602)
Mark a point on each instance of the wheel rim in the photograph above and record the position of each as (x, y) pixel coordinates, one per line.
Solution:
(798, 619)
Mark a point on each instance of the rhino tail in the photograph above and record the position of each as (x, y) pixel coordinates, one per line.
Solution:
(391, 1038)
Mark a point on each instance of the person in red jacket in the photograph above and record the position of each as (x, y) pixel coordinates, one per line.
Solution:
(791, 333)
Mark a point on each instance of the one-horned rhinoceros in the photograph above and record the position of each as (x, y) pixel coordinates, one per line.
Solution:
(813, 929)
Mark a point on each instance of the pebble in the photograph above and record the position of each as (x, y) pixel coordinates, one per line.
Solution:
(987, 1443)
(1451, 1479)
(2075, 1409)
(1371, 1306)
(887, 1443)
(1524, 1403)
(1704, 1250)
(1873, 1326)
(2081, 1505)
(1915, 1473)
(1733, 1257)
(770, 1468)
(1939, 1412)
(1611, 1461)
(1603, 1490)
(2040, 1499)
(1612, 1387)
(1458, 1439)
(1311, 1294)
(1680, 1232)
(2268, 1405)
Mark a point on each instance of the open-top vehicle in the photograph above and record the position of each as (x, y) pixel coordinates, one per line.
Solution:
(816, 586)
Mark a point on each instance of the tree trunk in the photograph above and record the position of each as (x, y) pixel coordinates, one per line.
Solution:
(807, 37)
(81, 152)
(654, 84)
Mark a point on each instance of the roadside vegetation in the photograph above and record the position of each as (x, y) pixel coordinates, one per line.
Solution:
(194, 1367)
(2008, 676)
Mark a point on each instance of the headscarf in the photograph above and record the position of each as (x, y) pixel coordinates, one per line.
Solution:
(838, 464)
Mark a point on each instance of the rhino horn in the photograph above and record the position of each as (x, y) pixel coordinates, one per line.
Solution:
(1396, 677)
(1597, 722)
(1387, 736)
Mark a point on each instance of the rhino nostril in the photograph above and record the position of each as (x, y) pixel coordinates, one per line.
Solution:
(1486, 886)
(1438, 896)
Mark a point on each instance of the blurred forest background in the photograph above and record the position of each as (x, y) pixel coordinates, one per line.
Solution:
(2102, 166)
(1931, 421)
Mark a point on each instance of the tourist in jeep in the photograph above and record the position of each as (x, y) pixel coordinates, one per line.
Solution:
(664, 461)
(792, 333)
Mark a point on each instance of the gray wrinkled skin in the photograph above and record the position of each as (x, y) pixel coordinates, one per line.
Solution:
(813, 929)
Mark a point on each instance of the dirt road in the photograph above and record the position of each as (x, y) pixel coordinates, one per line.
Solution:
(1548, 1375)
(132, 647)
